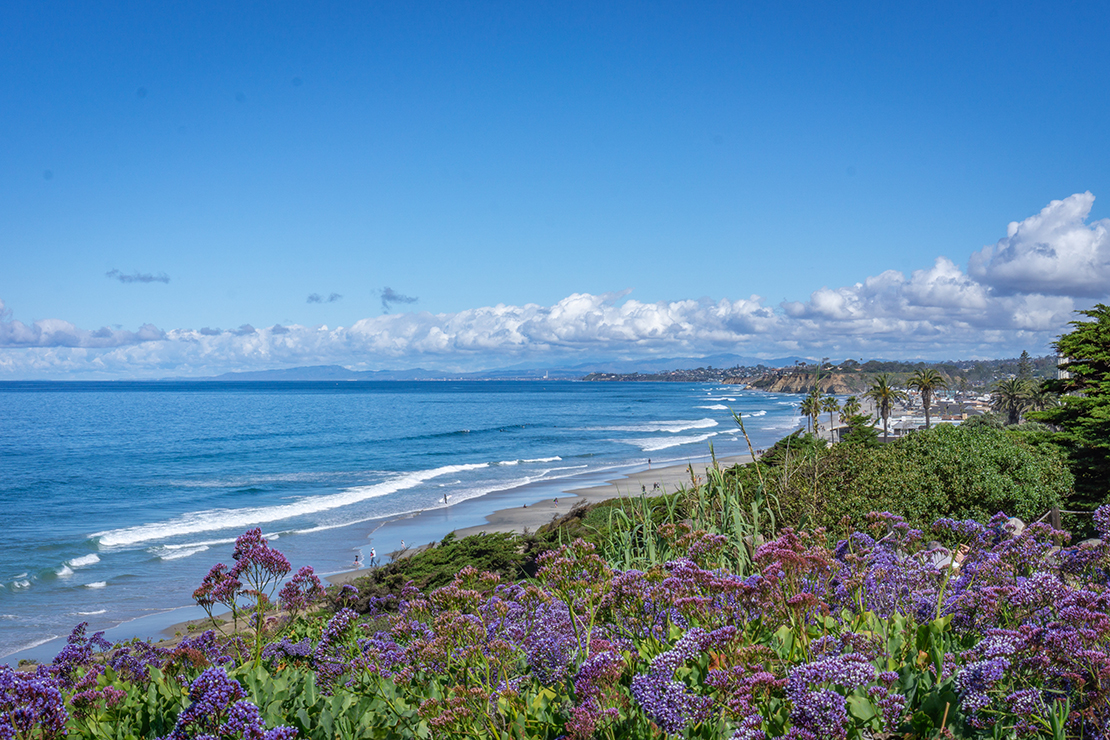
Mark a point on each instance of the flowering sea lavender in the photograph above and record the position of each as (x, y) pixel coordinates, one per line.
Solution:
(671, 703)
(302, 590)
(77, 654)
(581, 579)
(31, 704)
(299, 652)
(332, 657)
(218, 708)
(220, 586)
(258, 563)
(347, 596)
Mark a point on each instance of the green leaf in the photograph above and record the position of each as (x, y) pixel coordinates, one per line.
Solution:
(862, 709)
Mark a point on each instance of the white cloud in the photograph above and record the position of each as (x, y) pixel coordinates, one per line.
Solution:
(58, 333)
(1053, 253)
(1017, 295)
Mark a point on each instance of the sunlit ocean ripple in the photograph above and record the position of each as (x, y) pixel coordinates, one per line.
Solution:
(118, 497)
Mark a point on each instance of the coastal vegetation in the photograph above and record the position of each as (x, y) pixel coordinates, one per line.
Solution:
(781, 598)
(851, 376)
(883, 633)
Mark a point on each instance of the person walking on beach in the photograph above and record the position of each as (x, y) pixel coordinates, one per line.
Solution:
(357, 564)
(402, 544)
(373, 558)
(556, 502)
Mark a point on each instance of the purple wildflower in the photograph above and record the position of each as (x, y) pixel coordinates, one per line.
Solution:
(30, 702)
(218, 707)
(302, 590)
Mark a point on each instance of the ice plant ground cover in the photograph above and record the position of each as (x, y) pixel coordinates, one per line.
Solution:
(877, 635)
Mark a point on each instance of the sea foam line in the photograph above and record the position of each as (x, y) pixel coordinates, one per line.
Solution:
(675, 426)
(218, 519)
(653, 444)
(176, 553)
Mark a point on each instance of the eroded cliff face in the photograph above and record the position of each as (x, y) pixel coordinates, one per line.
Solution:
(838, 384)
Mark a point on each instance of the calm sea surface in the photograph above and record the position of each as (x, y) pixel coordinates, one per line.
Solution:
(116, 498)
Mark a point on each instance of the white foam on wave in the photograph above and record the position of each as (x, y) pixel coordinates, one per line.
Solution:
(715, 407)
(64, 572)
(652, 444)
(21, 584)
(81, 562)
(761, 412)
(791, 423)
(217, 519)
(674, 427)
(89, 614)
(97, 584)
(177, 553)
(533, 460)
(720, 398)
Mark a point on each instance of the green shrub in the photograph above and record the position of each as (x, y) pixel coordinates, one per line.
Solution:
(948, 471)
(509, 555)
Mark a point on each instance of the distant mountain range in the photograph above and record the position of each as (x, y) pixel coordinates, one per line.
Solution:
(523, 371)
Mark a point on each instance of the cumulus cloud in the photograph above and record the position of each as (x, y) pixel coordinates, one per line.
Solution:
(390, 297)
(58, 333)
(998, 307)
(137, 277)
(1055, 252)
(317, 298)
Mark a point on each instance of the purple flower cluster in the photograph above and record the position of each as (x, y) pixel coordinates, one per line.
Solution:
(671, 703)
(31, 704)
(218, 708)
(301, 591)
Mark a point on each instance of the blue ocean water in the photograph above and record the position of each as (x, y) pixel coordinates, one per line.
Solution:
(116, 497)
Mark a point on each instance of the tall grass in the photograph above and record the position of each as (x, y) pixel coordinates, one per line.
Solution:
(642, 532)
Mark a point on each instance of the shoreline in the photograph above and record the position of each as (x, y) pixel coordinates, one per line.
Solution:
(668, 477)
(497, 511)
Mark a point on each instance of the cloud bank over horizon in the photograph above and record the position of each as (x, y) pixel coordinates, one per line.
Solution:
(1019, 293)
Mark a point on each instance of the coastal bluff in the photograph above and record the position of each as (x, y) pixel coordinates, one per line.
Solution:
(838, 384)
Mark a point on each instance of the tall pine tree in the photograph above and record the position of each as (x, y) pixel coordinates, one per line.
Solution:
(1083, 417)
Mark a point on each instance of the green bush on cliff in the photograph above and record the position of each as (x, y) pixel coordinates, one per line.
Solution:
(949, 471)
(510, 556)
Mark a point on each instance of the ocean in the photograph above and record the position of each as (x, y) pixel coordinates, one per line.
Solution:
(117, 497)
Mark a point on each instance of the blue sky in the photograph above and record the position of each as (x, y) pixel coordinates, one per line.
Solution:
(551, 182)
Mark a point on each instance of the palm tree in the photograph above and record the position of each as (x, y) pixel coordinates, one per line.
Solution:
(811, 407)
(851, 406)
(927, 382)
(1010, 396)
(884, 395)
(1041, 398)
(830, 404)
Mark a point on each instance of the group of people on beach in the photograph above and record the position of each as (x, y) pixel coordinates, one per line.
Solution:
(373, 557)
